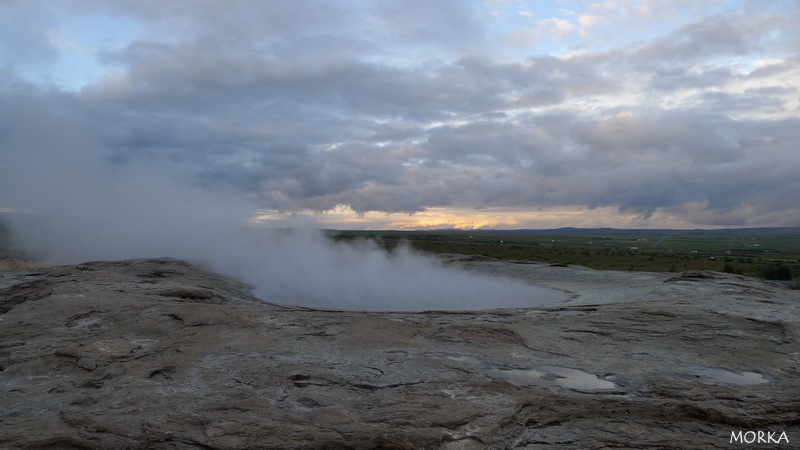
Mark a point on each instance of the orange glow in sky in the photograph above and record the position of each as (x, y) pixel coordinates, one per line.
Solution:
(468, 219)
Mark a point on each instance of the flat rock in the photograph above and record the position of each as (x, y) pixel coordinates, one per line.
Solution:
(162, 354)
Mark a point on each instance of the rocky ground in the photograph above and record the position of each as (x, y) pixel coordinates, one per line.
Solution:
(162, 354)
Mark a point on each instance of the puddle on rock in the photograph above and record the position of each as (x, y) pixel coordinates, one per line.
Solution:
(579, 380)
(564, 377)
(543, 375)
(711, 375)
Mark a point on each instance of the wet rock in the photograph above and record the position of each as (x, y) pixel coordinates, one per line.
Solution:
(161, 354)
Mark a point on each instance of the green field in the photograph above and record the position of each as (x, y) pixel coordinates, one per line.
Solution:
(752, 252)
(772, 253)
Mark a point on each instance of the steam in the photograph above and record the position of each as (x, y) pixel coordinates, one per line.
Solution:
(305, 268)
(89, 208)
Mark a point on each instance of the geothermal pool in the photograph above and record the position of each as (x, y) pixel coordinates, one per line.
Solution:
(496, 293)
(311, 271)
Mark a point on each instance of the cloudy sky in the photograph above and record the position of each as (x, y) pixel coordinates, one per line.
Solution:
(414, 114)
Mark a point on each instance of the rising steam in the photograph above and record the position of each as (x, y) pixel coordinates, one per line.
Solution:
(88, 208)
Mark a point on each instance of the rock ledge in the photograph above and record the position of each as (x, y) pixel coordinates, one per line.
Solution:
(162, 354)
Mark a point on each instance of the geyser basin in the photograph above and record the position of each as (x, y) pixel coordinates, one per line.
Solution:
(476, 294)
(307, 269)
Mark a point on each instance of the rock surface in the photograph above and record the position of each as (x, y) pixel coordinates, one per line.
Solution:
(162, 354)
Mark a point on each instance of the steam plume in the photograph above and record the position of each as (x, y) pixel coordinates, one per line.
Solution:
(90, 208)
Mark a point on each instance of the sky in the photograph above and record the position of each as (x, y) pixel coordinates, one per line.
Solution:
(405, 114)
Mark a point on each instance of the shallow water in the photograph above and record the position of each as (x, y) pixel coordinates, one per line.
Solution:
(564, 377)
(543, 375)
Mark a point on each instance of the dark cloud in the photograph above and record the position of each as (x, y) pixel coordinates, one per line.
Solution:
(24, 42)
(398, 107)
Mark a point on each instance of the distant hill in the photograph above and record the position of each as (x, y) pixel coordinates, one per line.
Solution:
(629, 231)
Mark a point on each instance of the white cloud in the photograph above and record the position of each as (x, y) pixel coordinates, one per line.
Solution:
(550, 29)
(590, 20)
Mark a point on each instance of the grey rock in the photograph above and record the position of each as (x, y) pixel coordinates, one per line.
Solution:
(162, 354)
